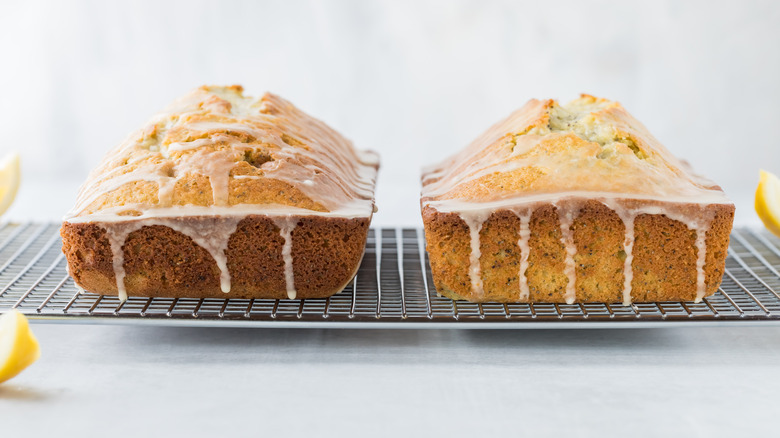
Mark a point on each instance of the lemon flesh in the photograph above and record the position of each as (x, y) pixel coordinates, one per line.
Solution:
(18, 346)
(768, 201)
(10, 174)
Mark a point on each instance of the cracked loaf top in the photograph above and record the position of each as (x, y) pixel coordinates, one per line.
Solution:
(216, 151)
(589, 147)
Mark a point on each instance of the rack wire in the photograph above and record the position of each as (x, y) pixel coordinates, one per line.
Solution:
(393, 289)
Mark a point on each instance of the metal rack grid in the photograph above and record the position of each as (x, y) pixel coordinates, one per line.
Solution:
(393, 289)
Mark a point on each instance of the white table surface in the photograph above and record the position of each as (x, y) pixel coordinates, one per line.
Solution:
(116, 381)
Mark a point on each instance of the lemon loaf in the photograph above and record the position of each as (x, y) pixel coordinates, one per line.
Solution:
(224, 195)
(573, 203)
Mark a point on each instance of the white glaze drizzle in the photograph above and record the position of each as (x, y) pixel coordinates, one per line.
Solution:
(628, 268)
(601, 150)
(700, 223)
(286, 226)
(165, 187)
(216, 165)
(608, 151)
(474, 220)
(474, 223)
(317, 161)
(566, 219)
(110, 215)
(525, 251)
(210, 233)
(116, 238)
(567, 205)
(628, 216)
(701, 257)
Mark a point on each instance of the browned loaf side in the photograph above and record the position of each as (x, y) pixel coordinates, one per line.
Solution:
(162, 262)
(664, 265)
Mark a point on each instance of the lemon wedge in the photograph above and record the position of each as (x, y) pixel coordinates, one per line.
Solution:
(10, 174)
(18, 346)
(768, 201)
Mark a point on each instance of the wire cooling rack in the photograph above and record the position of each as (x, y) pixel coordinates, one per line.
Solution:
(393, 289)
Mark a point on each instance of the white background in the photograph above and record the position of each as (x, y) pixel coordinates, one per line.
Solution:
(414, 80)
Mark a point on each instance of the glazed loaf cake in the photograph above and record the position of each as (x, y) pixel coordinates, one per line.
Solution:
(573, 203)
(224, 195)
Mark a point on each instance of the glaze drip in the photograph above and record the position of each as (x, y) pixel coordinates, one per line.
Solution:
(701, 256)
(286, 226)
(525, 251)
(628, 216)
(475, 275)
(116, 238)
(568, 207)
(474, 221)
(628, 248)
(566, 219)
(211, 234)
(165, 188)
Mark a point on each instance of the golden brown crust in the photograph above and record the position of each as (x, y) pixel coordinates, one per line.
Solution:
(588, 145)
(593, 167)
(217, 147)
(299, 193)
(162, 262)
(664, 265)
